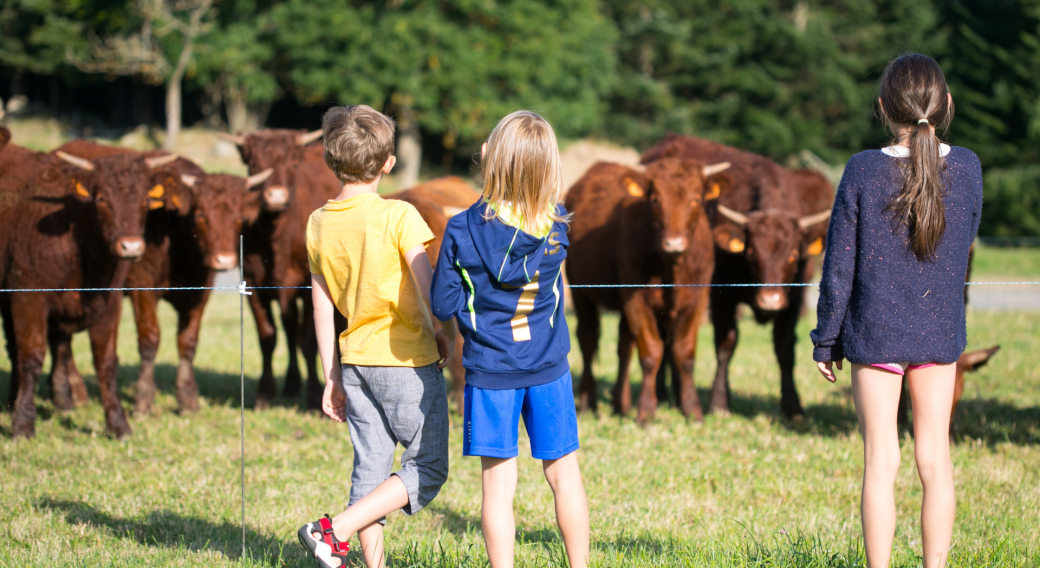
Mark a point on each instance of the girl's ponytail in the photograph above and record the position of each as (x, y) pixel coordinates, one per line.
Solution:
(914, 94)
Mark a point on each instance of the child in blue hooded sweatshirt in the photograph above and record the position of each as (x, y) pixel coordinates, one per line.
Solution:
(500, 275)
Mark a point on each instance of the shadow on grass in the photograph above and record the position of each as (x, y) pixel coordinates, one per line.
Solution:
(990, 421)
(171, 530)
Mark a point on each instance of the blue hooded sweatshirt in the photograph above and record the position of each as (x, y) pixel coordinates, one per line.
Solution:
(504, 287)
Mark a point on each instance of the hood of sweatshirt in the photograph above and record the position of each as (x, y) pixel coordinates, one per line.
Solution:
(510, 255)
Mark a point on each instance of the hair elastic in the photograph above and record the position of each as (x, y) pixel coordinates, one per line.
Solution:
(923, 120)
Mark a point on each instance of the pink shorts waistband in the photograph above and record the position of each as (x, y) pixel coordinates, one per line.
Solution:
(901, 368)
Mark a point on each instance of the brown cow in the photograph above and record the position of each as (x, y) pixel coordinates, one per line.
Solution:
(276, 249)
(191, 232)
(767, 228)
(437, 200)
(66, 222)
(632, 227)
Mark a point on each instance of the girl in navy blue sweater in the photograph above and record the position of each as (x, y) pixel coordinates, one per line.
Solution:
(892, 296)
(500, 275)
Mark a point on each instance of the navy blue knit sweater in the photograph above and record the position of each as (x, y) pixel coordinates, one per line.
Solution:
(878, 302)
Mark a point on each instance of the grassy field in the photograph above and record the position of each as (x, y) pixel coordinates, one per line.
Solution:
(747, 489)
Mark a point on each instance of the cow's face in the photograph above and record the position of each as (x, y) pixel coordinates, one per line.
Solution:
(217, 218)
(773, 242)
(677, 190)
(118, 188)
(277, 151)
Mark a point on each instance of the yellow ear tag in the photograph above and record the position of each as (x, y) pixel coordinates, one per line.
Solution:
(176, 201)
(82, 190)
(816, 247)
(714, 192)
(736, 245)
(633, 188)
(156, 192)
(156, 204)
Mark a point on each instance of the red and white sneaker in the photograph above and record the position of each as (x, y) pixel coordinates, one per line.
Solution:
(321, 543)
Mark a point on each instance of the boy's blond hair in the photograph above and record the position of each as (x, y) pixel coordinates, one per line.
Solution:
(521, 168)
(358, 141)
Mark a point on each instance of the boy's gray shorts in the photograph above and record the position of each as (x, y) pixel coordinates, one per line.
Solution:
(391, 405)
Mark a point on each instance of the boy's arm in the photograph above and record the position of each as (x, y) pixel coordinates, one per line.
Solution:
(334, 401)
(422, 272)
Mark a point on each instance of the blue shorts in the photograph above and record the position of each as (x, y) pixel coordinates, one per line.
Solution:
(492, 419)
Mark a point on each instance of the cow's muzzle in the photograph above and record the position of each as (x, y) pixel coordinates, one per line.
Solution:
(771, 299)
(129, 247)
(674, 245)
(223, 260)
(276, 198)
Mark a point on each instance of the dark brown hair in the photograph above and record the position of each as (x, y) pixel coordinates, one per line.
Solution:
(358, 141)
(914, 94)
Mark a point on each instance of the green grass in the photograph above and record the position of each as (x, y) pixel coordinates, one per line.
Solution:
(992, 263)
(747, 489)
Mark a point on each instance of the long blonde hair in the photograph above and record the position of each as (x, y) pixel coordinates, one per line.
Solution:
(521, 170)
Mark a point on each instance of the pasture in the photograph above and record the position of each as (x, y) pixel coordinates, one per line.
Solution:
(746, 489)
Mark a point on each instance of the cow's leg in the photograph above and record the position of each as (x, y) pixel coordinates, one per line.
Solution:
(103, 340)
(309, 348)
(291, 324)
(724, 321)
(189, 321)
(268, 334)
(77, 387)
(588, 340)
(12, 352)
(29, 326)
(623, 387)
(146, 316)
(784, 339)
(642, 321)
(61, 354)
(663, 327)
(684, 352)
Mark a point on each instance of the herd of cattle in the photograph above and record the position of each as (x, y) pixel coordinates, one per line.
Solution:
(92, 216)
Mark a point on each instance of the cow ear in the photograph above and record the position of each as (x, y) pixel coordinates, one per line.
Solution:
(716, 185)
(728, 240)
(82, 191)
(633, 187)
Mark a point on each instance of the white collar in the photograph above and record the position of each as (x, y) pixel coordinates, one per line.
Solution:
(904, 152)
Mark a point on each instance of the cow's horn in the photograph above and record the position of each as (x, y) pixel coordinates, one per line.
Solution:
(255, 180)
(738, 218)
(238, 140)
(450, 211)
(806, 222)
(78, 162)
(641, 168)
(189, 180)
(160, 161)
(713, 169)
(1, 114)
(305, 139)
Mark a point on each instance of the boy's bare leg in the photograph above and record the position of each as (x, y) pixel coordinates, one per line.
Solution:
(371, 538)
(876, 394)
(572, 508)
(931, 392)
(390, 496)
(498, 480)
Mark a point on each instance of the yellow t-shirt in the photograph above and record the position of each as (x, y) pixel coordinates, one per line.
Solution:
(358, 245)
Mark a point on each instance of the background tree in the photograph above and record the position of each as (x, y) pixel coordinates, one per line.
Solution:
(452, 68)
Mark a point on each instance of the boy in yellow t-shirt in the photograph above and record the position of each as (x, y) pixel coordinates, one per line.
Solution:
(368, 259)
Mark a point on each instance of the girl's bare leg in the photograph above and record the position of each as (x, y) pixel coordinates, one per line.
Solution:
(572, 508)
(876, 394)
(498, 479)
(931, 393)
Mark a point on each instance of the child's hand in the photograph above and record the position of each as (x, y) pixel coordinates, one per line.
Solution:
(445, 348)
(825, 368)
(334, 401)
